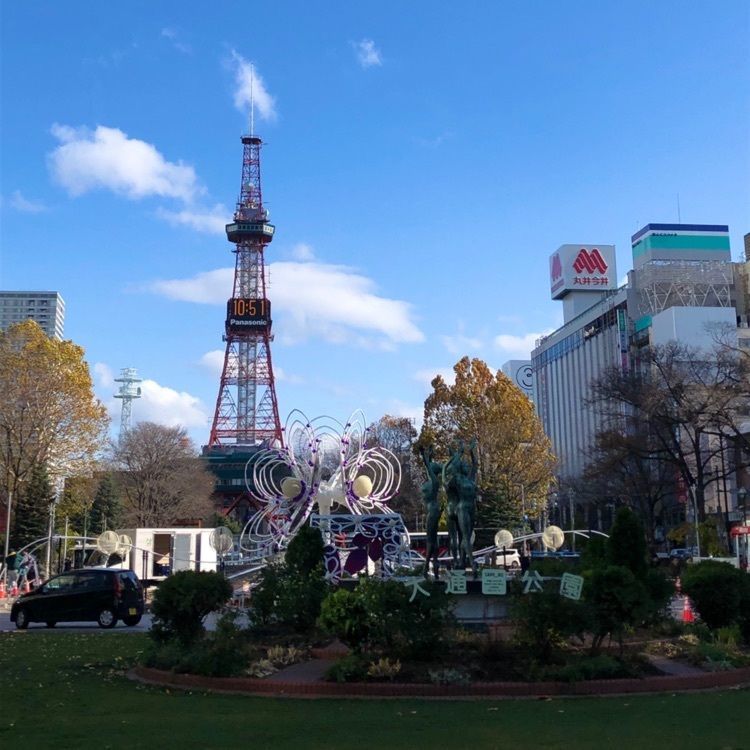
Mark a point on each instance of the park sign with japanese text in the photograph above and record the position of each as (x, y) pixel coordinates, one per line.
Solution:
(582, 268)
(495, 583)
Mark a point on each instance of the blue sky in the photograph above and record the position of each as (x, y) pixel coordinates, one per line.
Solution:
(422, 162)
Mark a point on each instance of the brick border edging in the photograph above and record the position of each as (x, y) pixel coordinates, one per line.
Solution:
(252, 686)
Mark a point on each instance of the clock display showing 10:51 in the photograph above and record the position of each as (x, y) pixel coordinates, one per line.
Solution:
(244, 311)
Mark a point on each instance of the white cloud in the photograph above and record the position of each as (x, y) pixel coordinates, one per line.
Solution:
(211, 287)
(312, 299)
(303, 252)
(368, 55)
(24, 205)
(460, 344)
(103, 375)
(250, 87)
(213, 361)
(427, 375)
(109, 159)
(519, 347)
(169, 407)
(175, 37)
(211, 221)
(330, 301)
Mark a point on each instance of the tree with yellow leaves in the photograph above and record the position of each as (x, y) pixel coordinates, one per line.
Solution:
(515, 459)
(48, 413)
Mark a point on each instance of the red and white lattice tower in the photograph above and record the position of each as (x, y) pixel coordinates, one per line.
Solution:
(247, 413)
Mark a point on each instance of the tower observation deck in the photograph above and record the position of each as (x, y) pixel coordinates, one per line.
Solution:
(247, 414)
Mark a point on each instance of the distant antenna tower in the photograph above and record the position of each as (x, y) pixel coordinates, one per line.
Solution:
(128, 391)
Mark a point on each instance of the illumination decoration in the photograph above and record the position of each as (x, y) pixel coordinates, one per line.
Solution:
(355, 542)
(362, 486)
(322, 461)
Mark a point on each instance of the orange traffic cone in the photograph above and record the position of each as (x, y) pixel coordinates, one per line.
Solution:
(14, 589)
(26, 586)
(687, 611)
(3, 593)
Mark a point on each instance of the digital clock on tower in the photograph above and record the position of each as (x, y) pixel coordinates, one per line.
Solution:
(247, 314)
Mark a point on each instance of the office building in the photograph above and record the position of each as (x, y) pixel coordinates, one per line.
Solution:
(46, 308)
(683, 287)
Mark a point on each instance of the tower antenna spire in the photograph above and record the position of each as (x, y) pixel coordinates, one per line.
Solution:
(252, 99)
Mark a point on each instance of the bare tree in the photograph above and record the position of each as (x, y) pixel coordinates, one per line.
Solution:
(397, 434)
(163, 482)
(621, 471)
(680, 407)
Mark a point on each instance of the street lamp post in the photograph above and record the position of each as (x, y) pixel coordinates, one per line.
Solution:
(6, 551)
(572, 520)
(741, 498)
(691, 492)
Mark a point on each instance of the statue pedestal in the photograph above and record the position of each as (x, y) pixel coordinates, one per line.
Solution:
(476, 609)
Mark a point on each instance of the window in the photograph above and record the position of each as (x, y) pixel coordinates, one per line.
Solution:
(60, 583)
(88, 581)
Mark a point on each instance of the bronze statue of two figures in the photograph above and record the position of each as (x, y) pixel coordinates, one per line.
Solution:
(459, 478)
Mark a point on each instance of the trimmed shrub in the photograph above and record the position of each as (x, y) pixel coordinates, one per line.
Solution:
(378, 617)
(720, 592)
(616, 600)
(182, 602)
(600, 667)
(304, 555)
(352, 668)
(544, 621)
(223, 653)
(291, 592)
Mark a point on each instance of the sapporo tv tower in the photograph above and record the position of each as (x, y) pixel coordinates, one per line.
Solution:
(247, 413)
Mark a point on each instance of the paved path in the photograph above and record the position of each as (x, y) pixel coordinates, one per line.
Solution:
(306, 671)
(313, 670)
(670, 667)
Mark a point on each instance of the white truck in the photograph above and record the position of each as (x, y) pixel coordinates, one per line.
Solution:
(156, 553)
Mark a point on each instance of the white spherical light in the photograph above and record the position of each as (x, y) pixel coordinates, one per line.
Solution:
(362, 486)
(291, 487)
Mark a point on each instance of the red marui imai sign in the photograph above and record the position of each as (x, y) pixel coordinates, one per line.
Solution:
(582, 268)
(740, 531)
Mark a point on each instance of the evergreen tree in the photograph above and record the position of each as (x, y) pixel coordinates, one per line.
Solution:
(31, 517)
(627, 543)
(106, 510)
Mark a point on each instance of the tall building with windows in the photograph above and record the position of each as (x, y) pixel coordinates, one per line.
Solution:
(682, 284)
(46, 308)
(683, 287)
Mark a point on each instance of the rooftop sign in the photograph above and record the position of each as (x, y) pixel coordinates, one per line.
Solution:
(582, 268)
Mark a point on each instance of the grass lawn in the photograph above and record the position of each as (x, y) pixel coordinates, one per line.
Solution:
(64, 690)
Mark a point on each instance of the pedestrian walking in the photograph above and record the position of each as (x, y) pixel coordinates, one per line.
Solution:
(10, 567)
(525, 560)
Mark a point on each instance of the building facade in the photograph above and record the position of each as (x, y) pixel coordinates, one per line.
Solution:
(683, 287)
(520, 373)
(46, 308)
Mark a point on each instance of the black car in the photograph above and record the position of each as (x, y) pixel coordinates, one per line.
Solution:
(102, 595)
